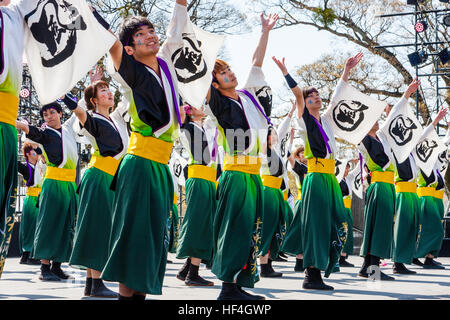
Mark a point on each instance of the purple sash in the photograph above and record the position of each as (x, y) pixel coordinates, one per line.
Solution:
(166, 71)
(248, 94)
(323, 133)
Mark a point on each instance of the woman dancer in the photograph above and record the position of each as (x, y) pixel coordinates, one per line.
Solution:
(196, 241)
(107, 133)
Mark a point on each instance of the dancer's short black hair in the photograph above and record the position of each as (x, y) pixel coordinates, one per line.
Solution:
(129, 26)
(54, 105)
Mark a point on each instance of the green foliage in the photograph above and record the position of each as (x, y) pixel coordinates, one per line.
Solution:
(324, 16)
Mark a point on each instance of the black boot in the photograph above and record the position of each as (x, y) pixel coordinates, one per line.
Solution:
(268, 272)
(24, 258)
(313, 280)
(181, 275)
(344, 263)
(56, 269)
(230, 291)
(99, 290)
(363, 271)
(417, 262)
(400, 268)
(431, 264)
(193, 279)
(299, 265)
(47, 274)
(88, 287)
(252, 296)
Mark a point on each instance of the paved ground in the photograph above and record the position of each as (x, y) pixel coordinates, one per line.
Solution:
(21, 282)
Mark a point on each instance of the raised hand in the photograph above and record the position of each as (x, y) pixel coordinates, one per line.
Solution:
(413, 86)
(268, 23)
(441, 115)
(98, 75)
(281, 65)
(353, 61)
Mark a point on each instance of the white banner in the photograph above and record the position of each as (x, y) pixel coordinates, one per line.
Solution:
(340, 169)
(401, 130)
(353, 113)
(177, 167)
(427, 151)
(62, 43)
(193, 57)
(354, 178)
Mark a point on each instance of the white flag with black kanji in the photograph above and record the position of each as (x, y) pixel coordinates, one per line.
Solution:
(63, 40)
(193, 53)
(356, 180)
(178, 168)
(340, 168)
(426, 152)
(352, 113)
(401, 130)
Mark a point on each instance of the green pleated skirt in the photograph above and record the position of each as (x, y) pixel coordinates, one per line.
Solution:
(8, 186)
(431, 229)
(292, 243)
(273, 228)
(406, 227)
(348, 247)
(196, 237)
(55, 224)
(323, 222)
(173, 227)
(289, 214)
(139, 240)
(94, 220)
(440, 207)
(378, 220)
(237, 227)
(28, 223)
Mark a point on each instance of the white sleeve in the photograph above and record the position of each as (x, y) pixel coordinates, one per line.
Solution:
(339, 87)
(174, 32)
(284, 127)
(255, 79)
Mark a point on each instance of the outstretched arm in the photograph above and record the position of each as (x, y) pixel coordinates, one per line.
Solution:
(299, 100)
(413, 86)
(267, 25)
(440, 116)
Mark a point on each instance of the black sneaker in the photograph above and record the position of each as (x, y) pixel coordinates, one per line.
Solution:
(197, 281)
(99, 290)
(345, 263)
(313, 281)
(385, 277)
(230, 291)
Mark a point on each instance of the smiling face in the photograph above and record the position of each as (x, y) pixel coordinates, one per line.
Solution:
(52, 118)
(145, 42)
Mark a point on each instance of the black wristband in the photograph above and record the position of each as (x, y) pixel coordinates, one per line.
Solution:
(100, 19)
(290, 81)
(70, 102)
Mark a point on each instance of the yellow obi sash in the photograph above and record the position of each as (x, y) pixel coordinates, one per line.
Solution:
(246, 164)
(348, 203)
(33, 192)
(321, 165)
(426, 192)
(9, 108)
(403, 186)
(439, 194)
(285, 195)
(150, 148)
(175, 199)
(299, 195)
(202, 172)
(61, 174)
(382, 176)
(105, 164)
(271, 181)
